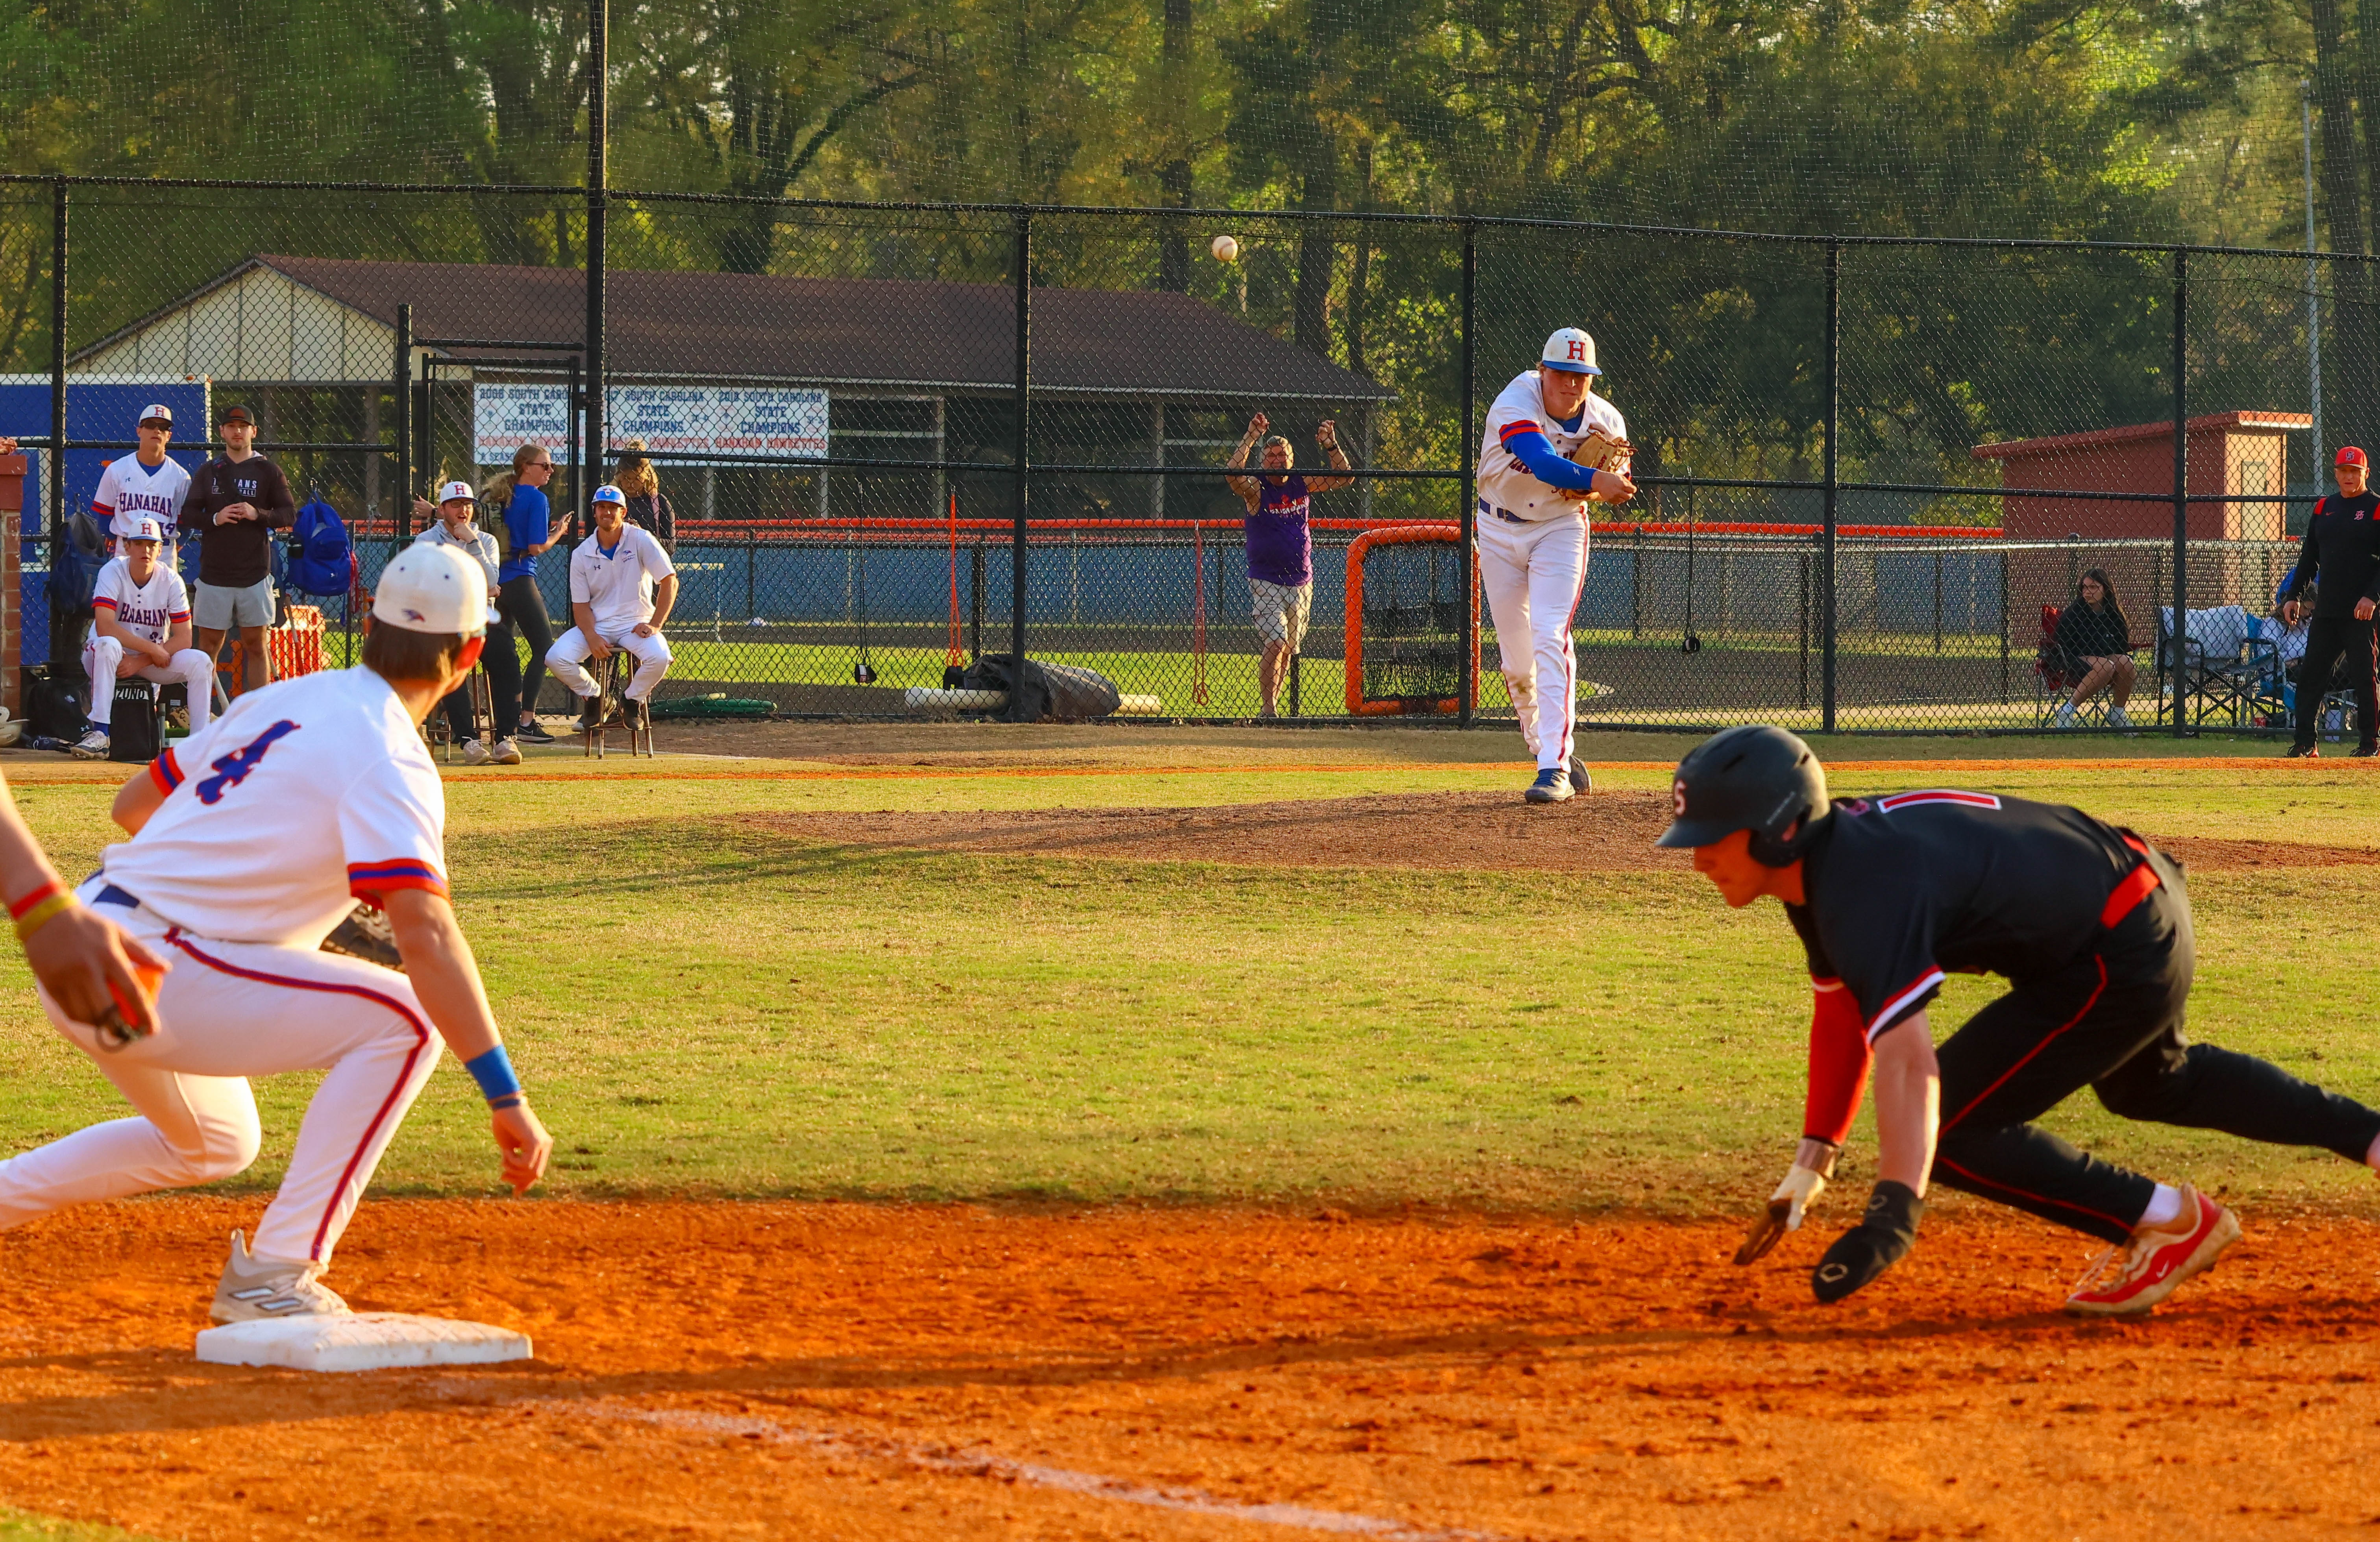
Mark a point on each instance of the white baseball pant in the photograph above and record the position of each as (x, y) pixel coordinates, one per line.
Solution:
(230, 1011)
(1533, 574)
(103, 660)
(571, 650)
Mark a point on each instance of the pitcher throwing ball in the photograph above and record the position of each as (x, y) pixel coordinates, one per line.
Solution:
(2091, 926)
(1533, 498)
(249, 842)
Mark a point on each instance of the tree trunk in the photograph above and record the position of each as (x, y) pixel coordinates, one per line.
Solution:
(1317, 251)
(1359, 279)
(2347, 406)
(1173, 179)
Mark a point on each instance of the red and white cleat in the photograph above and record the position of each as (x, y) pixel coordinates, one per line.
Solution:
(2129, 1281)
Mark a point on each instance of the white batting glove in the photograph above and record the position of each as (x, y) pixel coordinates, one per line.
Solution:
(1804, 1180)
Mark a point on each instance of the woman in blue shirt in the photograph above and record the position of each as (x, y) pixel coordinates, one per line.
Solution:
(527, 526)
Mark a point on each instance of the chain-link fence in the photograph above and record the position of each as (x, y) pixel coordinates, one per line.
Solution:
(884, 442)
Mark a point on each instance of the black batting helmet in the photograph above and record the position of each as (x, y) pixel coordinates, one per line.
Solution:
(1755, 778)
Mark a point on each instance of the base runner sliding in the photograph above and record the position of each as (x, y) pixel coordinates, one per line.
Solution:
(249, 842)
(1551, 446)
(2091, 926)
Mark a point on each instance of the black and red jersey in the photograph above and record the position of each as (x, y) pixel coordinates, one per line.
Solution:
(1907, 886)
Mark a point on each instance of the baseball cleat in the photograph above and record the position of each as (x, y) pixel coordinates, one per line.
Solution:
(504, 752)
(2131, 1280)
(92, 746)
(1552, 786)
(1579, 781)
(256, 1290)
(2295, 752)
(591, 714)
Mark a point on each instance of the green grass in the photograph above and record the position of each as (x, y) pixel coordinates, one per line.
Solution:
(701, 1005)
(21, 1525)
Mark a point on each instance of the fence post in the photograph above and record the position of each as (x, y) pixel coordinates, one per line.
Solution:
(57, 464)
(598, 182)
(1020, 536)
(401, 375)
(573, 403)
(1826, 534)
(1468, 520)
(2180, 494)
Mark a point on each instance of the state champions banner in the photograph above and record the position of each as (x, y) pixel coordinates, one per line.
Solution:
(695, 421)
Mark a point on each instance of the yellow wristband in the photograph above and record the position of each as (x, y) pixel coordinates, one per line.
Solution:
(32, 920)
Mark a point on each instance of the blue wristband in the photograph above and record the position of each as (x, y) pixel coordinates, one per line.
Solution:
(494, 1072)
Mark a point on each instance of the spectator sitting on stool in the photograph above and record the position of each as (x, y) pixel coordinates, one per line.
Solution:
(622, 586)
(2094, 648)
(458, 509)
(140, 608)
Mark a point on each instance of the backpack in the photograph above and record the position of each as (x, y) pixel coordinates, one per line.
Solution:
(321, 558)
(74, 574)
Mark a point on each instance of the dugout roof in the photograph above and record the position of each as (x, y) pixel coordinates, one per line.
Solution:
(326, 320)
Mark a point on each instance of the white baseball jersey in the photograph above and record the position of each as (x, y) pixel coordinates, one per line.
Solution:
(478, 545)
(144, 610)
(617, 586)
(128, 490)
(308, 795)
(1503, 480)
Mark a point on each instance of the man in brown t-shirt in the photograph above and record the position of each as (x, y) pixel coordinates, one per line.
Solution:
(236, 501)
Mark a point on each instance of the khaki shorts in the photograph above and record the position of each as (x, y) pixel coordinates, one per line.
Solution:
(217, 608)
(1280, 611)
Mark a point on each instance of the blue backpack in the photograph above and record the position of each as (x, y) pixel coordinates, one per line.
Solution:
(321, 558)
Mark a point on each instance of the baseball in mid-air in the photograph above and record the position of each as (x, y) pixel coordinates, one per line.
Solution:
(1226, 249)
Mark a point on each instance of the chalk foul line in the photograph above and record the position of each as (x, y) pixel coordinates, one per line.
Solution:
(975, 1463)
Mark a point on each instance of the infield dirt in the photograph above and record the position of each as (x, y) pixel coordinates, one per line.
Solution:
(881, 1372)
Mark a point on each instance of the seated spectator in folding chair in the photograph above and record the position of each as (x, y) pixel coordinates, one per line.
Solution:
(622, 586)
(2095, 649)
(140, 610)
(458, 512)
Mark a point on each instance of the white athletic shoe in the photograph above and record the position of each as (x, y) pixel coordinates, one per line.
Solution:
(474, 753)
(504, 752)
(2065, 718)
(1552, 786)
(253, 1290)
(92, 746)
(2118, 718)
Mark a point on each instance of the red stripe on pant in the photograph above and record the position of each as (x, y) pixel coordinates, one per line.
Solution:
(1570, 653)
(421, 1041)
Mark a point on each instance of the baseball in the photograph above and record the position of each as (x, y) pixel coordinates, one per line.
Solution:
(1226, 249)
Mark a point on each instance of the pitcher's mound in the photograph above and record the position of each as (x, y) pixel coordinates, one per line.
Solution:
(1602, 832)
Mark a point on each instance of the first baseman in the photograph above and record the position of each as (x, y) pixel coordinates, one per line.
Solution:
(1533, 501)
(251, 841)
(2091, 926)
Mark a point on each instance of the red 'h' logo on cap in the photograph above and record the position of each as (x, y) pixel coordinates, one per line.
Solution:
(1578, 350)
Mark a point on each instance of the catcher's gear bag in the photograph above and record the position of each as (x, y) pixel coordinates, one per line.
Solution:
(1047, 693)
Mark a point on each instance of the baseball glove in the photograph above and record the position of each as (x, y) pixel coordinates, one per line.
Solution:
(366, 934)
(1602, 451)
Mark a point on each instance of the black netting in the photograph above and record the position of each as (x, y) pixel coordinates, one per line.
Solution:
(1414, 642)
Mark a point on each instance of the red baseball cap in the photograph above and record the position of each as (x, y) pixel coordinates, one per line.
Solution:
(2350, 456)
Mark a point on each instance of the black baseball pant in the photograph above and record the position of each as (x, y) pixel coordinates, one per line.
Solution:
(2332, 641)
(2111, 1020)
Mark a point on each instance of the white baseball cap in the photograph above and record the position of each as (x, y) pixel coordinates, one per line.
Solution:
(432, 588)
(1569, 348)
(453, 491)
(144, 528)
(157, 412)
(607, 494)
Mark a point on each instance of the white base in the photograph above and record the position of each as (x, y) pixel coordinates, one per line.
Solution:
(360, 1342)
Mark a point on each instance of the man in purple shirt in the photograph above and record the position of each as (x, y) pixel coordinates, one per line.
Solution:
(1280, 544)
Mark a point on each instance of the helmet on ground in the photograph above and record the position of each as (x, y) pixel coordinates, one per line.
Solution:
(1754, 777)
